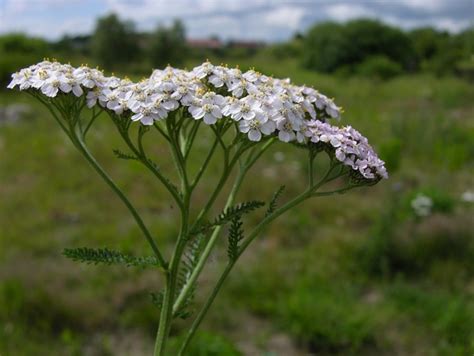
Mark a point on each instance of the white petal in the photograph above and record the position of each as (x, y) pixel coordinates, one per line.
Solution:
(209, 119)
(137, 117)
(244, 126)
(248, 115)
(268, 127)
(284, 136)
(255, 135)
(147, 120)
(65, 87)
(198, 114)
(216, 112)
(77, 90)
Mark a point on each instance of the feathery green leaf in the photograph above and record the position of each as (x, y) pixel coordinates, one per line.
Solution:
(273, 203)
(228, 214)
(236, 233)
(190, 259)
(108, 257)
(122, 155)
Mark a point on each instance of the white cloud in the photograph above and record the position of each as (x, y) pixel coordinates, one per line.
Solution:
(247, 19)
(344, 12)
(285, 16)
(427, 5)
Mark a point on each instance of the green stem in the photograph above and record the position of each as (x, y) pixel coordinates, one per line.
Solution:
(202, 313)
(140, 153)
(215, 234)
(207, 250)
(204, 165)
(168, 300)
(190, 139)
(172, 275)
(161, 131)
(93, 162)
(91, 121)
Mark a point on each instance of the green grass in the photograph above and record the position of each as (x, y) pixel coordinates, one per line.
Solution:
(352, 274)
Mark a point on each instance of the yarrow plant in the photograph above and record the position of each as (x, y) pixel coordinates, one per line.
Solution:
(245, 113)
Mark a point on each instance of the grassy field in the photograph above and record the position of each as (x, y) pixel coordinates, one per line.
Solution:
(355, 274)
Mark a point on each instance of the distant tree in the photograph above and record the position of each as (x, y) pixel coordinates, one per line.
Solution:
(330, 46)
(379, 67)
(18, 51)
(114, 42)
(168, 45)
(441, 52)
(428, 42)
(64, 44)
(324, 46)
(366, 38)
(20, 43)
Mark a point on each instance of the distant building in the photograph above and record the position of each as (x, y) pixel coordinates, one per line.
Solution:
(246, 44)
(211, 43)
(214, 43)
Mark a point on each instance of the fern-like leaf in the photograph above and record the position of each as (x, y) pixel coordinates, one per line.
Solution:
(236, 233)
(228, 214)
(190, 259)
(273, 203)
(122, 155)
(108, 257)
(157, 299)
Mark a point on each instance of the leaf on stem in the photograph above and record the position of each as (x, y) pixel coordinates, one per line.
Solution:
(122, 155)
(228, 214)
(273, 203)
(236, 233)
(157, 299)
(237, 211)
(188, 264)
(108, 257)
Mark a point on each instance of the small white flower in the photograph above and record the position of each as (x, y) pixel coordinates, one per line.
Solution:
(286, 131)
(203, 70)
(332, 109)
(21, 78)
(256, 126)
(51, 87)
(242, 109)
(119, 107)
(468, 196)
(422, 205)
(208, 112)
(219, 77)
(92, 97)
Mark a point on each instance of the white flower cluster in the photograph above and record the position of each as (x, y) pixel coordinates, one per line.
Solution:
(422, 205)
(468, 196)
(260, 104)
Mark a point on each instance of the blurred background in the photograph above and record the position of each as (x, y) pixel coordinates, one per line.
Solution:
(386, 270)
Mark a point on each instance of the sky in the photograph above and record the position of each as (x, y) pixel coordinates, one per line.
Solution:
(267, 20)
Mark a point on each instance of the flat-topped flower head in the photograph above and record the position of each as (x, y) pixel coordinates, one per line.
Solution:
(259, 106)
